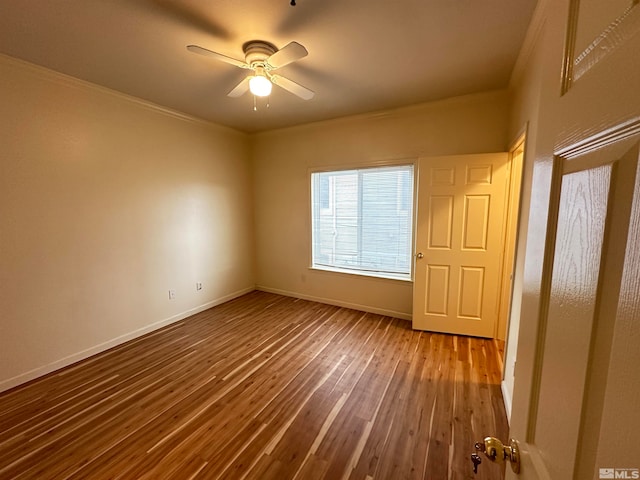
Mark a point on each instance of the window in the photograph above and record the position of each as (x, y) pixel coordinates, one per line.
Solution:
(362, 220)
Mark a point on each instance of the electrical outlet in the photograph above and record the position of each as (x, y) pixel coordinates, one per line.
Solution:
(198, 285)
(172, 294)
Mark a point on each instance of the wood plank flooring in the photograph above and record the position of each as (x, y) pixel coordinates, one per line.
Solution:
(262, 387)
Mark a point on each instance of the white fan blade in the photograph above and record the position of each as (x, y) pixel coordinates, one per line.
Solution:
(217, 56)
(293, 87)
(241, 88)
(287, 54)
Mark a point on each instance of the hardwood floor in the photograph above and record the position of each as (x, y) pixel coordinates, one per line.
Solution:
(262, 387)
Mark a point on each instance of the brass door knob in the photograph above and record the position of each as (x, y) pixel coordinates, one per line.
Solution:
(496, 451)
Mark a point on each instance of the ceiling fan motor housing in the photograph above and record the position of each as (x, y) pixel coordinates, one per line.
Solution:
(257, 51)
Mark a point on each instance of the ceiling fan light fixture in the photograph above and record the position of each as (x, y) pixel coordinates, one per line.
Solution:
(260, 86)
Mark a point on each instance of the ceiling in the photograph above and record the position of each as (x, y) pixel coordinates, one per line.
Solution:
(364, 55)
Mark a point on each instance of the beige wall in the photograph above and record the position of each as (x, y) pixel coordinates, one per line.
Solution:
(106, 203)
(281, 163)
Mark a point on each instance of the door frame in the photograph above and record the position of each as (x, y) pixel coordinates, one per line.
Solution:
(512, 213)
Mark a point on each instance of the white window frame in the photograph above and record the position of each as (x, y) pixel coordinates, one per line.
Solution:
(407, 277)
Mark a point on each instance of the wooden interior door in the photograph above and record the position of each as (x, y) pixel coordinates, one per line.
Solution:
(593, 211)
(459, 238)
(595, 193)
(574, 408)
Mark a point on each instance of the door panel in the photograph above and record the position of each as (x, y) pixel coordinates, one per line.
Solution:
(470, 292)
(440, 221)
(437, 297)
(460, 233)
(476, 222)
(572, 307)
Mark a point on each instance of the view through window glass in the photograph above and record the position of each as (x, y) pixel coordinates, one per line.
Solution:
(362, 220)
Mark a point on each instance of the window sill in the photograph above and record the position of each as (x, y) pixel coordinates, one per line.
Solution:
(359, 273)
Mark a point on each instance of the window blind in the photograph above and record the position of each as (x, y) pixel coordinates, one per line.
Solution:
(362, 220)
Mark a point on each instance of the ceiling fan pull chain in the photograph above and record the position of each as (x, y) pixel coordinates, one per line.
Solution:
(255, 106)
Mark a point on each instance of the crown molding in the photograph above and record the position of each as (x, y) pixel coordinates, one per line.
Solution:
(531, 38)
(63, 79)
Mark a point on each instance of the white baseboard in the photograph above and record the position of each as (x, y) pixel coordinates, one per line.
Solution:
(337, 303)
(84, 354)
(506, 397)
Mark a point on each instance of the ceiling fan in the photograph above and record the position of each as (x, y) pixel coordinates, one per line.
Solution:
(262, 58)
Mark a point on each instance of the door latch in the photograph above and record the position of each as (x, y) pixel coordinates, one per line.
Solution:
(497, 452)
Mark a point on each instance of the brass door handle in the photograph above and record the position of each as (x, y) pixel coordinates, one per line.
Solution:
(419, 255)
(497, 452)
